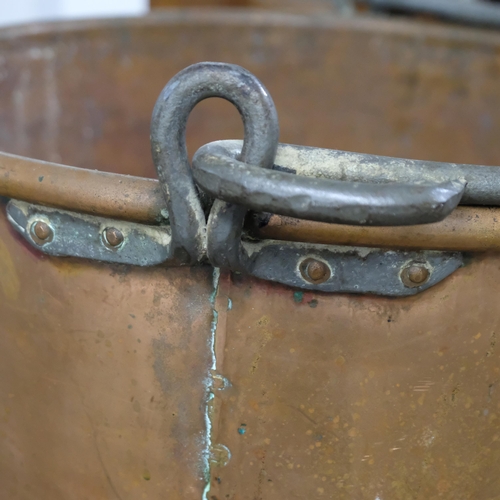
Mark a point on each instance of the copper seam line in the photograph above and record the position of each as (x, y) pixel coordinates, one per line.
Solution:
(139, 199)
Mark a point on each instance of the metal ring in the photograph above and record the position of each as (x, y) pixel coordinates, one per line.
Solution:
(218, 172)
(168, 142)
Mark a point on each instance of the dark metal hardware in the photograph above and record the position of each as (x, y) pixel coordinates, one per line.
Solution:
(285, 262)
(240, 176)
(41, 232)
(78, 235)
(217, 171)
(350, 269)
(415, 274)
(339, 269)
(112, 237)
(168, 144)
(482, 183)
(315, 271)
(315, 267)
(477, 12)
(369, 204)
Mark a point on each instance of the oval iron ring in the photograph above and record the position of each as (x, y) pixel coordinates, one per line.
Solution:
(168, 142)
(219, 173)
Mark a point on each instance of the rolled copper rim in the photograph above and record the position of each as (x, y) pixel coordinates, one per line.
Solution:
(80, 190)
(468, 228)
(471, 229)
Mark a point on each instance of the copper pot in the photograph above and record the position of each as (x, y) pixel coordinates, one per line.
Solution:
(129, 383)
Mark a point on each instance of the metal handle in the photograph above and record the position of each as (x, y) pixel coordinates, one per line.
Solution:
(252, 185)
(218, 172)
(245, 180)
(168, 142)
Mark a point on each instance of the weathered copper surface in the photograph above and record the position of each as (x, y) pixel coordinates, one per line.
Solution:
(78, 93)
(80, 190)
(472, 229)
(395, 399)
(102, 377)
(359, 397)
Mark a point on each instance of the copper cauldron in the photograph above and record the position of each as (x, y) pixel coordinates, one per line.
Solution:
(126, 382)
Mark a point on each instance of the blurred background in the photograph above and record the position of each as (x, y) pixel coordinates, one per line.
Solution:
(26, 11)
(23, 11)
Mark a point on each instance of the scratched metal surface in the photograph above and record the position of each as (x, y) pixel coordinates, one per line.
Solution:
(359, 397)
(77, 416)
(102, 378)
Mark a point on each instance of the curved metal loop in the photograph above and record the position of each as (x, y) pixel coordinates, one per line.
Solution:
(218, 172)
(168, 142)
(341, 269)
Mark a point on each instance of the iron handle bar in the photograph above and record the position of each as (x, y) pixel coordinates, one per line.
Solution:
(482, 182)
(217, 171)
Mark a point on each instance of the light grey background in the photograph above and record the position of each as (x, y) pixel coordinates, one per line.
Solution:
(27, 11)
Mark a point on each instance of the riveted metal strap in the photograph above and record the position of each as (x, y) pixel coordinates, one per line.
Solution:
(63, 234)
(349, 269)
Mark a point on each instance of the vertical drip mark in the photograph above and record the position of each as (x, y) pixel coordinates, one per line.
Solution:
(209, 386)
(215, 317)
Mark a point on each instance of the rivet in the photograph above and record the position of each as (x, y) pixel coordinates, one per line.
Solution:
(41, 230)
(418, 274)
(415, 275)
(113, 237)
(219, 455)
(315, 271)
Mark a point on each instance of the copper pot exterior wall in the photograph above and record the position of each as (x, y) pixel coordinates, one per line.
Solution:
(103, 369)
(102, 377)
(360, 397)
(83, 94)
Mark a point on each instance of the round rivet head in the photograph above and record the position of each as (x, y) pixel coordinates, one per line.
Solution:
(418, 274)
(415, 275)
(315, 271)
(113, 237)
(41, 231)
